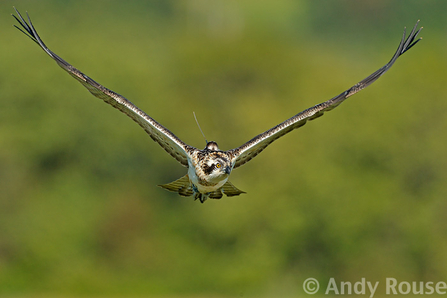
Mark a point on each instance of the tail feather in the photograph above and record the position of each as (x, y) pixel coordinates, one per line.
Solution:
(231, 190)
(217, 194)
(228, 189)
(182, 186)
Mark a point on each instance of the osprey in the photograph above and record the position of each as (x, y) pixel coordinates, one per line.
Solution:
(209, 169)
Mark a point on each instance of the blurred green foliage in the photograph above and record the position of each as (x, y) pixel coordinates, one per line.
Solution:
(358, 193)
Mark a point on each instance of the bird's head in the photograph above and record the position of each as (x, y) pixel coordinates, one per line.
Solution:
(211, 146)
(217, 166)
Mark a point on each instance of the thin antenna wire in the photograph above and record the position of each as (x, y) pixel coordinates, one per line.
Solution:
(199, 127)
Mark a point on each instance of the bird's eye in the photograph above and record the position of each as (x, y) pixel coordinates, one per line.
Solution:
(218, 165)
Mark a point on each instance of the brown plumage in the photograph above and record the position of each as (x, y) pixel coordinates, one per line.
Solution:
(209, 169)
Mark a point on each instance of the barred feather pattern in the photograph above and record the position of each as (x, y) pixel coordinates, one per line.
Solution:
(202, 180)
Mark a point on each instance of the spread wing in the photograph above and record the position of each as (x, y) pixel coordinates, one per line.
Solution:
(167, 140)
(247, 151)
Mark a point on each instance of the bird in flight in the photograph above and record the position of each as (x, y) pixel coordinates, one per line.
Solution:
(209, 169)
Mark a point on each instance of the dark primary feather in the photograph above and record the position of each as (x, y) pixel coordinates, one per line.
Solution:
(171, 143)
(250, 149)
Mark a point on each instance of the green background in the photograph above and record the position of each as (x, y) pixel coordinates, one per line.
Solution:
(360, 192)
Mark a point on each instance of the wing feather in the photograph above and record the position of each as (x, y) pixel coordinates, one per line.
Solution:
(166, 139)
(250, 149)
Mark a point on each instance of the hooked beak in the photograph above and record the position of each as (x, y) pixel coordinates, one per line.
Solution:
(227, 170)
